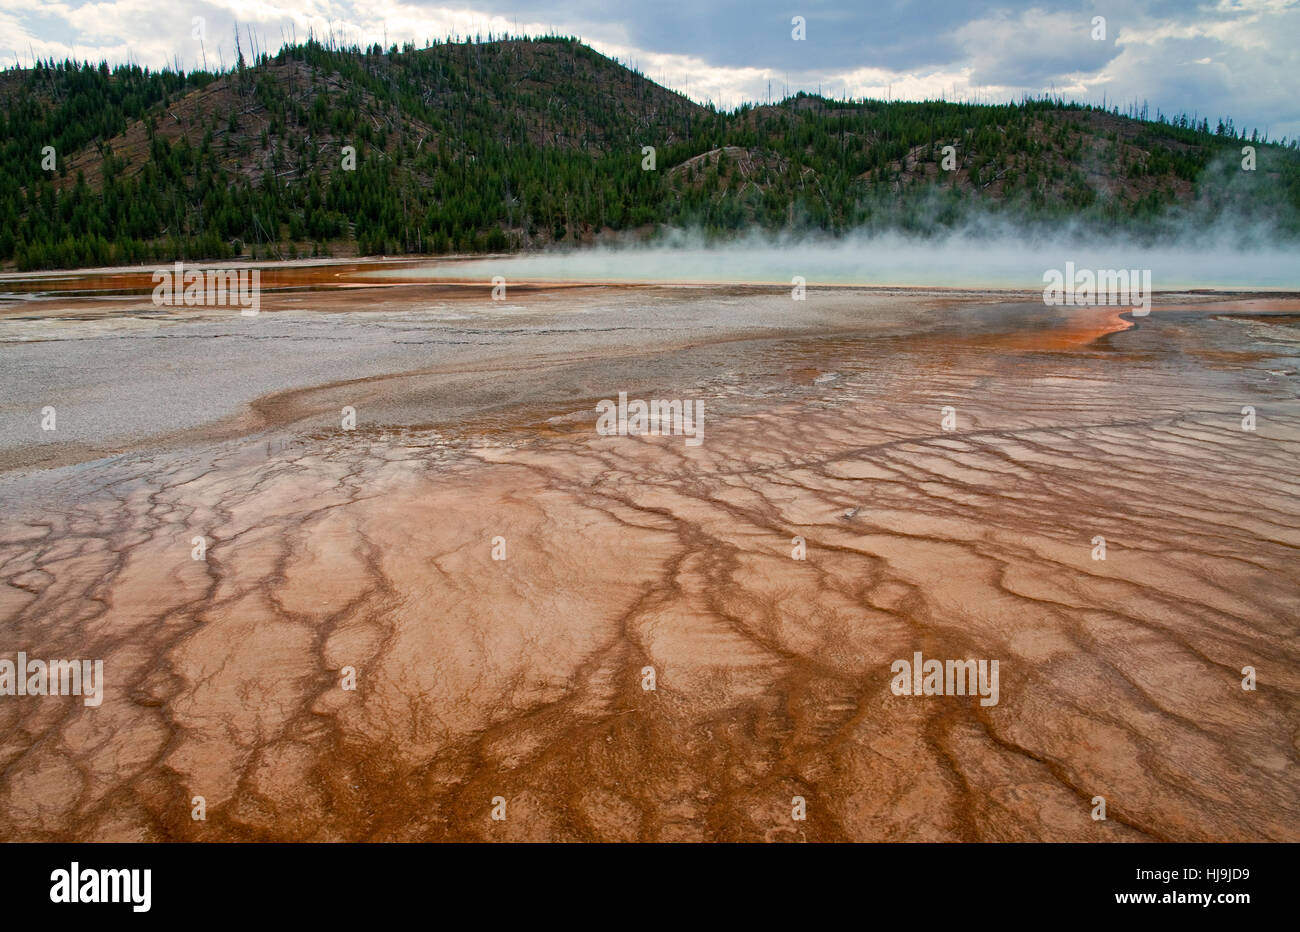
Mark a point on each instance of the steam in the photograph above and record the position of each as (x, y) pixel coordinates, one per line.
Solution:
(1236, 232)
(994, 256)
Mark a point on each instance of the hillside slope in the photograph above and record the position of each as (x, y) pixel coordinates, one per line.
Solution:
(489, 146)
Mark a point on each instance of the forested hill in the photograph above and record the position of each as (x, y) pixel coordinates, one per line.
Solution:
(521, 143)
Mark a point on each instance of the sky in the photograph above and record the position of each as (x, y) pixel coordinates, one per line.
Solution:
(1237, 58)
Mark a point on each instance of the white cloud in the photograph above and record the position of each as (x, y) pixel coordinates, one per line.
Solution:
(1239, 57)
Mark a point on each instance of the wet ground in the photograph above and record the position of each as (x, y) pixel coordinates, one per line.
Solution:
(834, 519)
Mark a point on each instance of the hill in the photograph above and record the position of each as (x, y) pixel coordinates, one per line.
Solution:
(521, 143)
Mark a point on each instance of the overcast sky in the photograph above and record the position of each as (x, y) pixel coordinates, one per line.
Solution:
(1239, 58)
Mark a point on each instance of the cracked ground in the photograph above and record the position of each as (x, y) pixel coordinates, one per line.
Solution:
(522, 677)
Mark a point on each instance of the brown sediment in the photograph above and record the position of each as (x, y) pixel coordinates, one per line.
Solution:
(522, 677)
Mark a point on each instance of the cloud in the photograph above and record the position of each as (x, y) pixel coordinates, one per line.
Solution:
(1032, 49)
(1230, 57)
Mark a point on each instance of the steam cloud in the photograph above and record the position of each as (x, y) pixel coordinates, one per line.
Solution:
(989, 255)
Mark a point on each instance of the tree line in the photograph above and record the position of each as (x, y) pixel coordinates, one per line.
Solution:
(465, 147)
